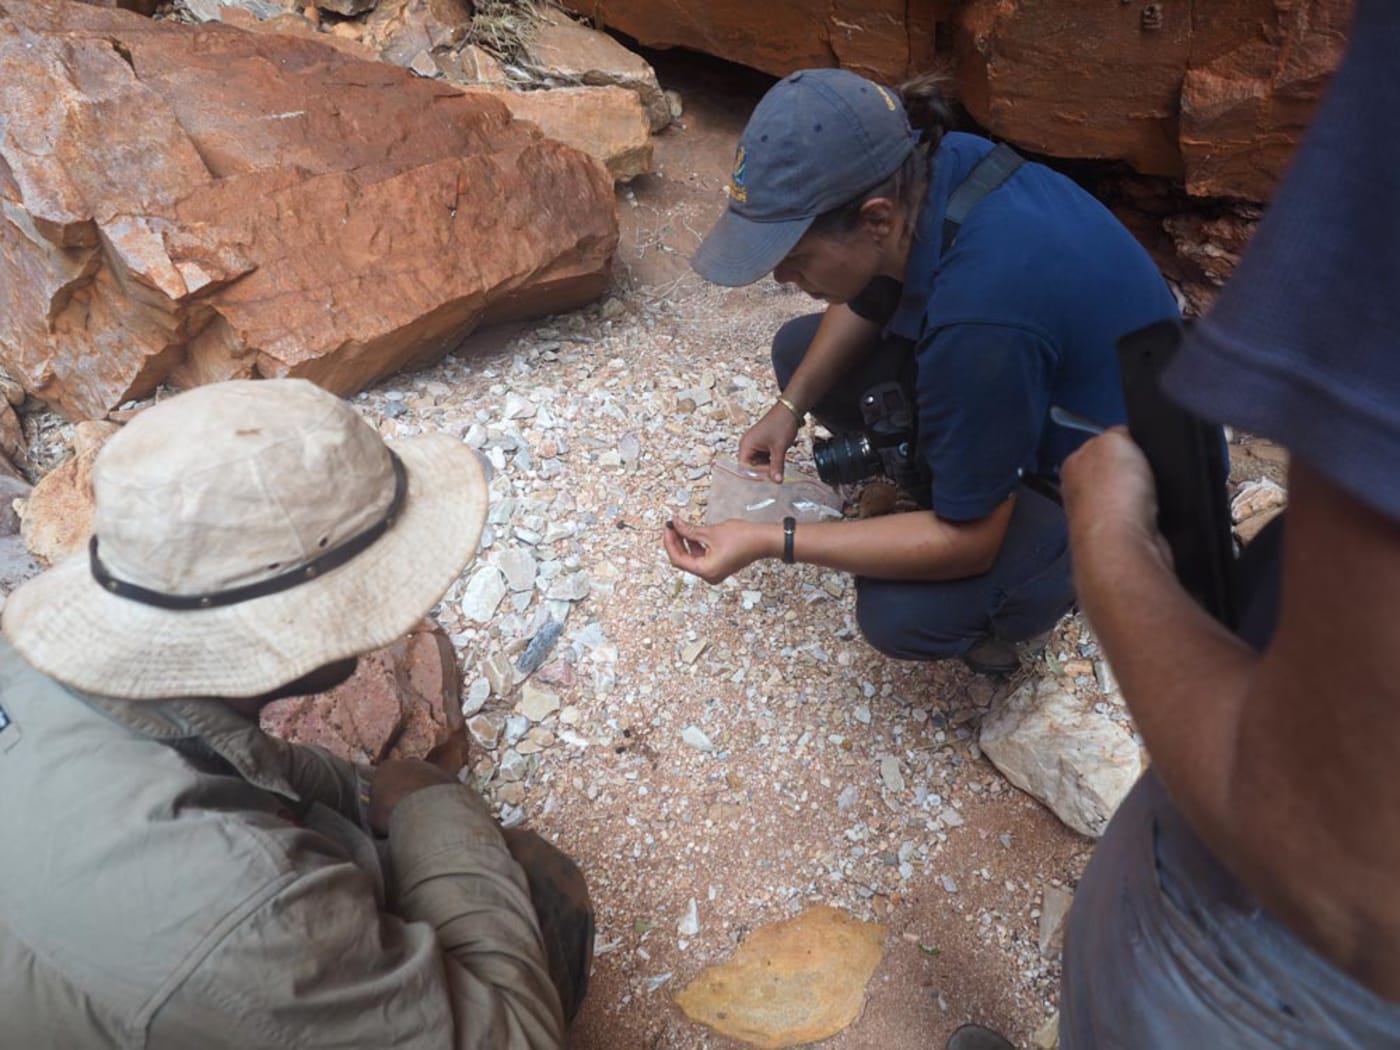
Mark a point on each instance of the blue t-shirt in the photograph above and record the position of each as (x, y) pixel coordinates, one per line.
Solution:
(1303, 345)
(1022, 313)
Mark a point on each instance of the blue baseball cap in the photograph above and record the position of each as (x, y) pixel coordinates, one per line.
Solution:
(817, 140)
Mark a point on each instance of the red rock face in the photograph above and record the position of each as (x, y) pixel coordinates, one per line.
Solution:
(189, 204)
(883, 39)
(1216, 94)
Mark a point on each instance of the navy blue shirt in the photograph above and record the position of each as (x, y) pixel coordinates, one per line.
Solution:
(1023, 312)
(1303, 345)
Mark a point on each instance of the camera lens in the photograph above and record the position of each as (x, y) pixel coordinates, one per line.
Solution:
(846, 460)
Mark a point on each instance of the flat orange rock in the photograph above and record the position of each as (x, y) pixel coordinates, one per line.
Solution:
(790, 983)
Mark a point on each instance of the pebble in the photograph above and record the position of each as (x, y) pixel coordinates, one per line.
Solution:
(500, 673)
(695, 737)
(890, 774)
(483, 594)
(512, 767)
(537, 703)
(539, 647)
(477, 695)
(486, 729)
(519, 566)
(690, 651)
(516, 727)
(689, 925)
(571, 588)
(517, 407)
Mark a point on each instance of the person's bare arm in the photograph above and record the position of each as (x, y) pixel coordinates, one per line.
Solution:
(917, 545)
(1281, 762)
(843, 337)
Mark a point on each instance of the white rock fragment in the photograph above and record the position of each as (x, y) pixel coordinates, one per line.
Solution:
(690, 651)
(890, 774)
(519, 567)
(695, 737)
(512, 768)
(571, 588)
(516, 727)
(689, 925)
(1054, 746)
(484, 592)
(477, 694)
(1256, 497)
(500, 673)
(518, 407)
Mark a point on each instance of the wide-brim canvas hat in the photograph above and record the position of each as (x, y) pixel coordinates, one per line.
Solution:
(818, 139)
(243, 488)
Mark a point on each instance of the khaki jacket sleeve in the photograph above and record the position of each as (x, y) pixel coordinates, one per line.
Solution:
(319, 776)
(310, 961)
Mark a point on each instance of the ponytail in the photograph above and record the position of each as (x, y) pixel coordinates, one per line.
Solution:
(930, 112)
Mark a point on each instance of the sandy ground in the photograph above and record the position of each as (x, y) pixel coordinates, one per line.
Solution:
(619, 410)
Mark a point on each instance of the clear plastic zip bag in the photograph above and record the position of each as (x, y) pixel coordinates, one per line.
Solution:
(737, 491)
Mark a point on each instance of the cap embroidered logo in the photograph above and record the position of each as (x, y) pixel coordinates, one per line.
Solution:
(737, 190)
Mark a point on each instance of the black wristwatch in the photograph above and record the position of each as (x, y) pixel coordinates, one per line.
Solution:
(789, 533)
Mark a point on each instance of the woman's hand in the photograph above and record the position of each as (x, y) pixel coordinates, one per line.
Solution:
(765, 444)
(716, 552)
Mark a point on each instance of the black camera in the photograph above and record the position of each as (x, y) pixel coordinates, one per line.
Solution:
(885, 447)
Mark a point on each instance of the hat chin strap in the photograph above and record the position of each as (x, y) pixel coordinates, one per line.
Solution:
(307, 571)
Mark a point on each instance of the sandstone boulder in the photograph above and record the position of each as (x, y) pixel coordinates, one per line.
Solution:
(607, 123)
(1053, 745)
(403, 701)
(189, 204)
(56, 520)
(884, 39)
(1217, 94)
(1257, 73)
(565, 50)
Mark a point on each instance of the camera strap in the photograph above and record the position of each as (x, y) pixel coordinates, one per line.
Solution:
(990, 172)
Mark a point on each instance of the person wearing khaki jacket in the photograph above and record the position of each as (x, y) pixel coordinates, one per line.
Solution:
(173, 877)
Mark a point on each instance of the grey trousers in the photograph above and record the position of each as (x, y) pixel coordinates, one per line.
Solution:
(1166, 950)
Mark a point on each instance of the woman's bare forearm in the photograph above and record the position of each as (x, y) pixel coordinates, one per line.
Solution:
(843, 338)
